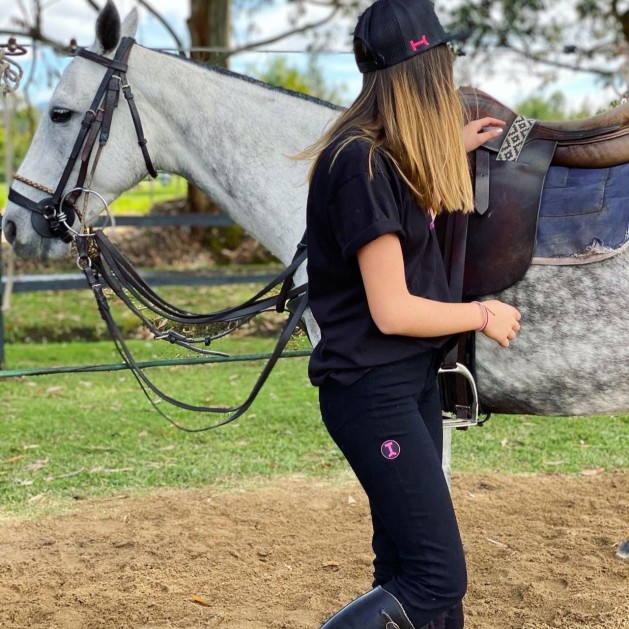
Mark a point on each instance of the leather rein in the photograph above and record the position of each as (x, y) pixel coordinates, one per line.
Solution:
(105, 266)
(108, 266)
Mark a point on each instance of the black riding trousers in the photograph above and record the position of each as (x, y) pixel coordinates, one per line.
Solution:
(388, 425)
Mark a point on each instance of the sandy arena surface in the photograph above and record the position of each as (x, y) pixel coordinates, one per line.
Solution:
(284, 554)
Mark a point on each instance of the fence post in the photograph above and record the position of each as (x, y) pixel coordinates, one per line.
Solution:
(8, 110)
(1, 302)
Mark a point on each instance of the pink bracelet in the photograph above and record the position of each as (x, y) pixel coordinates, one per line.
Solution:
(485, 310)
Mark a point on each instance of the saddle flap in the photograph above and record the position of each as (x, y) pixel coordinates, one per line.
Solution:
(501, 240)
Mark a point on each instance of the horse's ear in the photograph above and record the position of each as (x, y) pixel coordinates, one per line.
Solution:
(108, 28)
(130, 24)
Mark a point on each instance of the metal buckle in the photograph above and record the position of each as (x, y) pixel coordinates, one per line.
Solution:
(464, 416)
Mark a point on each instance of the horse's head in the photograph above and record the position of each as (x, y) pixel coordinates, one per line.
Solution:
(42, 212)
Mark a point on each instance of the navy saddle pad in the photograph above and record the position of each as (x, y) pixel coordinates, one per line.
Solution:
(583, 210)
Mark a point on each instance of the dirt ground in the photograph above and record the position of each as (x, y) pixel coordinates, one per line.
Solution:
(286, 553)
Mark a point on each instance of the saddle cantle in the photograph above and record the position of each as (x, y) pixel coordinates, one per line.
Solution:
(509, 173)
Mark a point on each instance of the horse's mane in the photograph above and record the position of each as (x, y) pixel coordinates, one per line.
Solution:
(248, 79)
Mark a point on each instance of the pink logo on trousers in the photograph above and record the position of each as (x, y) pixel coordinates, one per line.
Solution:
(390, 449)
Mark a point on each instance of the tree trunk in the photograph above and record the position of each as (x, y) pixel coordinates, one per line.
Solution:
(209, 26)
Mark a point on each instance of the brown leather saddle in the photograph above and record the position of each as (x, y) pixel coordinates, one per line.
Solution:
(509, 173)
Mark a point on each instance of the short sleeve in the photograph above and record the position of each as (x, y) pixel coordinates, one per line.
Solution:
(364, 209)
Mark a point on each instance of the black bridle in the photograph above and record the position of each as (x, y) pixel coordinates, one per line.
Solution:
(103, 264)
(54, 216)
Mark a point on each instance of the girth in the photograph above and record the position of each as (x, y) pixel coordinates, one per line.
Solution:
(491, 249)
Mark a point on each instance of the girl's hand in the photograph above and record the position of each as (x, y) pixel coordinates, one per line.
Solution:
(479, 131)
(503, 322)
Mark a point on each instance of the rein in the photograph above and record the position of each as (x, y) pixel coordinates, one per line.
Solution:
(54, 216)
(102, 262)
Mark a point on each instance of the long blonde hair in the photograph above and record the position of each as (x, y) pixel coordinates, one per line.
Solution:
(411, 112)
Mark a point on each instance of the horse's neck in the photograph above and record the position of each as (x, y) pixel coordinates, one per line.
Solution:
(233, 138)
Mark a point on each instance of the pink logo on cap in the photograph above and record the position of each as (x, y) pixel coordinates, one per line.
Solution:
(417, 44)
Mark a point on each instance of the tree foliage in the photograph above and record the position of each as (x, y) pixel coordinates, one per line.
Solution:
(22, 124)
(583, 35)
(552, 107)
(210, 25)
(280, 71)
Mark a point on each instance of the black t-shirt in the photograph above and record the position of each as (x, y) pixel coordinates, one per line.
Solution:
(346, 210)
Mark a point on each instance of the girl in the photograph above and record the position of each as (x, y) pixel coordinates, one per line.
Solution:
(378, 290)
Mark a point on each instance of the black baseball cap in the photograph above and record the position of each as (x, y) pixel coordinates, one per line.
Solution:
(393, 31)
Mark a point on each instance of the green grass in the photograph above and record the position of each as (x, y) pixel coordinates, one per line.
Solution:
(74, 436)
(66, 437)
(140, 199)
(55, 316)
(145, 195)
(527, 444)
(70, 436)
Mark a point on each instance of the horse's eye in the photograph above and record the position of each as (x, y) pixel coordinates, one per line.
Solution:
(58, 114)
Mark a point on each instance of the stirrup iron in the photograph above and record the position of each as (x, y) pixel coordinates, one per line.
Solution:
(465, 415)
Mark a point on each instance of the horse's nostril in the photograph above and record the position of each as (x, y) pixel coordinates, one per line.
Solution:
(10, 231)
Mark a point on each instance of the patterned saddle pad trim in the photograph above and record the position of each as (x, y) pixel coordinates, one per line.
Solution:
(513, 142)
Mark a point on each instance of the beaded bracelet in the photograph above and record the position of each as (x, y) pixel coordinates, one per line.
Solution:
(485, 316)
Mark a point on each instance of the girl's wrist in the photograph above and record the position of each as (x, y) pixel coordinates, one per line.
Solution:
(485, 313)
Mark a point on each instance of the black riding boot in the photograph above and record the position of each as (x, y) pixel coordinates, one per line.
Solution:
(374, 610)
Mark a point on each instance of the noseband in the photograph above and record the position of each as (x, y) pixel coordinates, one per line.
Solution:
(54, 216)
